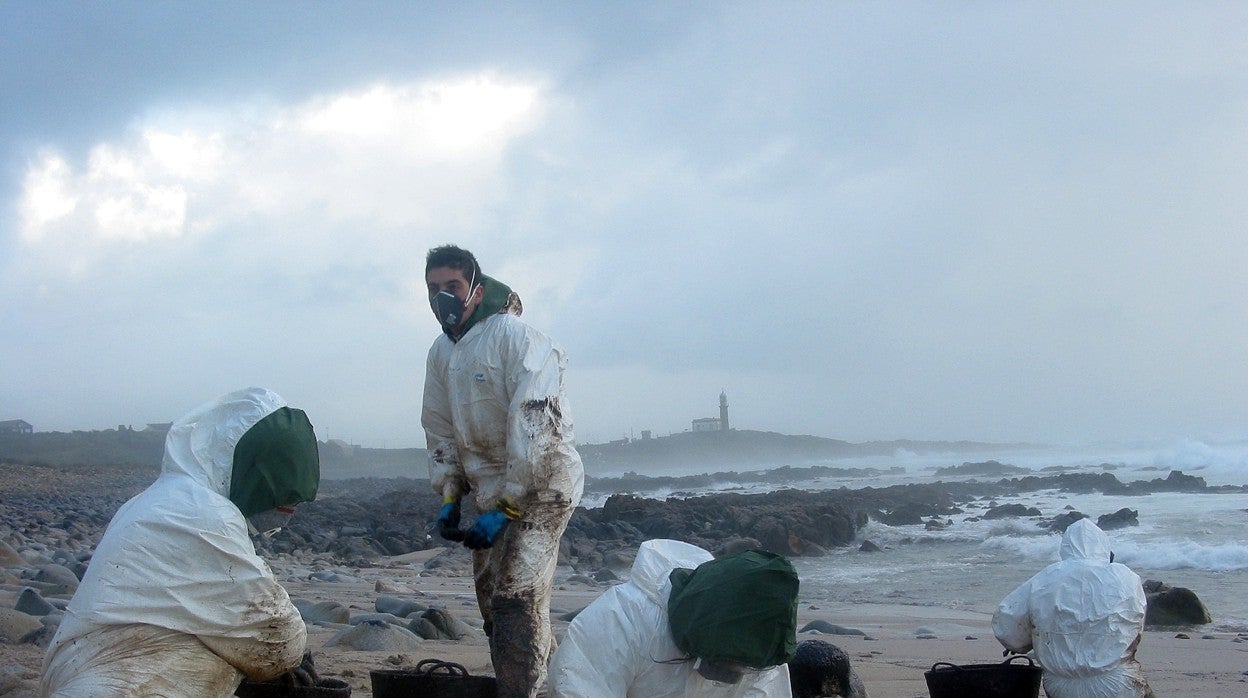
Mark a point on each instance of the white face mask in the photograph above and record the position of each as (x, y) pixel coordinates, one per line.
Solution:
(268, 523)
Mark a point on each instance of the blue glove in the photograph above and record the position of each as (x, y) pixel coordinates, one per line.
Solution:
(448, 521)
(486, 530)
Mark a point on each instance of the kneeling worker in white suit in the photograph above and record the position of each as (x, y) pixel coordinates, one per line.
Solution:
(1083, 616)
(175, 601)
(641, 640)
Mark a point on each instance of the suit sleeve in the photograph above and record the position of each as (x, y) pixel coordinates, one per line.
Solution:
(541, 451)
(446, 473)
(1011, 622)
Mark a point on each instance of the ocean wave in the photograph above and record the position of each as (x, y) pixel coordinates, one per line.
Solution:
(1178, 555)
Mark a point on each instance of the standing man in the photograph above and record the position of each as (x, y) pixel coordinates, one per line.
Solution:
(497, 425)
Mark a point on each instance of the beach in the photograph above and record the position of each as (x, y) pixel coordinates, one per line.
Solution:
(890, 658)
(928, 598)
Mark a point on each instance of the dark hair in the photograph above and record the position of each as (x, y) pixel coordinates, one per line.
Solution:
(453, 257)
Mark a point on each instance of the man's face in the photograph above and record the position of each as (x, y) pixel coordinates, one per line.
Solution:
(454, 282)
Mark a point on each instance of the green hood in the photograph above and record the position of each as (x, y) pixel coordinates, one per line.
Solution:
(738, 608)
(276, 463)
(498, 298)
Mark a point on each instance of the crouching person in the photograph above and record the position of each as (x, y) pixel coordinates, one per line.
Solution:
(1083, 617)
(685, 625)
(175, 601)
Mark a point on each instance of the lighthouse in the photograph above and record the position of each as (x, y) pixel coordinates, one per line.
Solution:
(723, 411)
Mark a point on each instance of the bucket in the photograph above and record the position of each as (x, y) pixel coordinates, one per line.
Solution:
(324, 688)
(1004, 680)
(432, 678)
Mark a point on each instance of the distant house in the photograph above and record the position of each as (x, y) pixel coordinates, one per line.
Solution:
(16, 426)
(706, 424)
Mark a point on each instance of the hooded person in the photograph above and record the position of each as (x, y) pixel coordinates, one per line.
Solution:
(175, 601)
(684, 625)
(1083, 616)
(498, 426)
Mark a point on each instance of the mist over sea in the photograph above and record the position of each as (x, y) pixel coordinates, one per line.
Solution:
(1199, 541)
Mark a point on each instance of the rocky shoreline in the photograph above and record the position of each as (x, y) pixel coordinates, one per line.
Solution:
(363, 519)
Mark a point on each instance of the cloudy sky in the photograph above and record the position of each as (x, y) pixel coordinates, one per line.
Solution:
(1010, 221)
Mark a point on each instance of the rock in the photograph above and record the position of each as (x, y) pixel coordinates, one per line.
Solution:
(1062, 522)
(58, 575)
(383, 617)
(823, 626)
(15, 625)
(605, 575)
(1009, 510)
(1173, 606)
(323, 612)
(819, 669)
(385, 586)
(376, 636)
(448, 626)
(1119, 519)
(734, 546)
(9, 556)
(990, 468)
(869, 547)
(399, 607)
(423, 628)
(31, 603)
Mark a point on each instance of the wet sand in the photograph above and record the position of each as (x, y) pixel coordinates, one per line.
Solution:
(890, 660)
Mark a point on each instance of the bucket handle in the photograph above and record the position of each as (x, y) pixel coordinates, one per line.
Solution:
(431, 667)
(1006, 662)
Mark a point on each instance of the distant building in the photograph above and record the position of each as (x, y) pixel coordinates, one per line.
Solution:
(706, 424)
(16, 426)
(159, 426)
(645, 434)
(719, 423)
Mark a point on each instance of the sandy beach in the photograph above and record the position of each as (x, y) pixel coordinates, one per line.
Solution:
(891, 658)
(901, 641)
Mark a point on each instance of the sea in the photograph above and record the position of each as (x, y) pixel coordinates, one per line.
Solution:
(1198, 541)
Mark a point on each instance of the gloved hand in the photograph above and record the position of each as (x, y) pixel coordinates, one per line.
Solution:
(486, 530)
(448, 520)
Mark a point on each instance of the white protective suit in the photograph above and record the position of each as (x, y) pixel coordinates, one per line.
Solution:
(1083, 616)
(621, 644)
(497, 423)
(175, 601)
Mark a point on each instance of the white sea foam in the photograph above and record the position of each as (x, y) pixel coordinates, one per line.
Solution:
(1178, 555)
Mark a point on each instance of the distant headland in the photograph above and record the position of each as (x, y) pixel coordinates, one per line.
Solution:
(731, 448)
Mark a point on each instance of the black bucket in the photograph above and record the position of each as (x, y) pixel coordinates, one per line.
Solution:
(324, 688)
(1004, 680)
(432, 678)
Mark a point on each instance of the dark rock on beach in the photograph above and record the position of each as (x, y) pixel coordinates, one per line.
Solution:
(1168, 606)
(820, 668)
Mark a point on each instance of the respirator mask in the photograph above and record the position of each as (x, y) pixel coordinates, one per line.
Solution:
(449, 309)
(268, 523)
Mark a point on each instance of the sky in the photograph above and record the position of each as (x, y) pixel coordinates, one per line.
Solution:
(989, 221)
